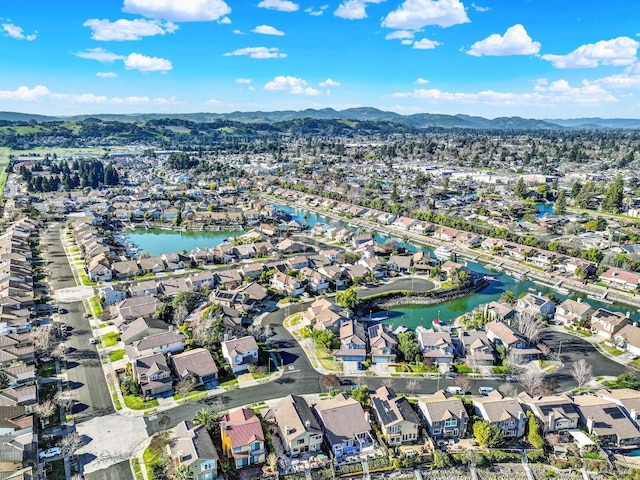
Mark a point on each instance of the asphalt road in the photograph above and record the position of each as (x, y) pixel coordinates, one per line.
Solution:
(300, 378)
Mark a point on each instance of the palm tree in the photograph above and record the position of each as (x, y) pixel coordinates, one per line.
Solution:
(183, 472)
(508, 297)
(204, 417)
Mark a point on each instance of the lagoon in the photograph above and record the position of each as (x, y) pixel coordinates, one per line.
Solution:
(157, 241)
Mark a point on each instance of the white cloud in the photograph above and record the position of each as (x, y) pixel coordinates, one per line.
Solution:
(620, 81)
(426, 44)
(619, 51)
(179, 11)
(243, 80)
(267, 30)
(329, 83)
(280, 5)
(556, 93)
(478, 8)
(122, 29)
(106, 74)
(416, 14)
(14, 31)
(515, 41)
(316, 13)
(137, 61)
(99, 54)
(257, 52)
(213, 101)
(25, 94)
(421, 81)
(354, 9)
(293, 85)
(225, 21)
(400, 35)
(238, 32)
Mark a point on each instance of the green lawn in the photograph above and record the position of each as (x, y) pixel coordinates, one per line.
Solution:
(47, 370)
(611, 350)
(230, 384)
(110, 339)
(117, 355)
(150, 459)
(85, 280)
(137, 403)
(191, 396)
(95, 304)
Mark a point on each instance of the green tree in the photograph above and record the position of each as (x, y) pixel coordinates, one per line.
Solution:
(204, 417)
(561, 204)
(348, 298)
(628, 380)
(533, 435)
(323, 338)
(441, 459)
(361, 394)
(508, 297)
(187, 300)
(586, 197)
(183, 472)
(614, 196)
(408, 345)
(487, 434)
(520, 190)
(593, 254)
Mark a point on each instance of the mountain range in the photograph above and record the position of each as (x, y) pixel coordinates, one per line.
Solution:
(418, 120)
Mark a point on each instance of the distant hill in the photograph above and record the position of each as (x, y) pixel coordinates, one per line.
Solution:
(362, 114)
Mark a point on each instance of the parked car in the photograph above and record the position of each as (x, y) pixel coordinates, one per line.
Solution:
(346, 381)
(485, 390)
(86, 315)
(50, 453)
(63, 311)
(511, 378)
(93, 341)
(46, 358)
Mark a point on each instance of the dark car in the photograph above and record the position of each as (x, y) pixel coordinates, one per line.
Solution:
(346, 381)
(63, 310)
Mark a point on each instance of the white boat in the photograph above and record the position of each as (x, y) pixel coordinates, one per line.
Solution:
(443, 253)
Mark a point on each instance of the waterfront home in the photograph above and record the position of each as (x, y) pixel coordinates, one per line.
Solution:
(476, 347)
(574, 312)
(141, 328)
(153, 375)
(619, 278)
(535, 305)
(436, 346)
(499, 311)
(399, 263)
(324, 314)
(556, 413)
(353, 342)
(196, 366)
(605, 323)
(445, 234)
(165, 342)
(191, 445)
(346, 426)
(396, 417)
(572, 264)
(606, 421)
(242, 437)
(287, 285)
(240, 353)
(125, 270)
(627, 399)
(297, 427)
(382, 344)
(506, 413)
(152, 265)
(444, 416)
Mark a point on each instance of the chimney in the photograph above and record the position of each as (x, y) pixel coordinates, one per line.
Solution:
(171, 328)
(287, 429)
(180, 456)
(307, 423)
(367, 417)
(628, 314)
(579, 300)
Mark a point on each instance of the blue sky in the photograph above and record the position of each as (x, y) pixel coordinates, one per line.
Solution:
(531, 58)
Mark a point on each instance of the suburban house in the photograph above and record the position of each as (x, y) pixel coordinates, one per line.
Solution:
(605, 323)
(436, 346)
(132, 308)
(504, 412)
(298, 428)
(169, 341)
(572, 312)
(191, 445)
(536, 305)
(196, 366)
(499, 311)
(242, 437)
(556, 413)
(627, 399)
(346, 427)
(141, 328)
(628, 338)
(476, 347)
(240, 353)
(500, 333)
(444, 416)
(621, 279)
(353, 342)
(287, 284)
(606, 421)
(125, 270)
(382, 344)
(324, 314)
(153, 374)
(396, 417)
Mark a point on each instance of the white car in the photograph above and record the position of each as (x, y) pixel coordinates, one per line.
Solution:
(93, 341)
(50, 453)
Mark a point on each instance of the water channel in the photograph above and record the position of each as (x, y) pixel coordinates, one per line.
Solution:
(157, 241)
(415, 315)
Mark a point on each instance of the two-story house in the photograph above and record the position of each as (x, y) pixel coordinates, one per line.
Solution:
(443, 415)
(398, 421)
(191, 445)
(197, 366)
(500, 333)
(298, 428)
(475, 347)
(436, 346)
(504, 412)
(345, 425)
(574, 312)
(287, 284)
(242, 437)
(627, 399)
(607, 324)
(240, 353)
(353, 342)
(606, 421)
(153, 375)
(169, 341)
(382, 344)
(536, 305)
(556, 413)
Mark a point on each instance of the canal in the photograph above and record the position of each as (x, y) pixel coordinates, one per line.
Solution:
(412, 316)
(157, 241)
